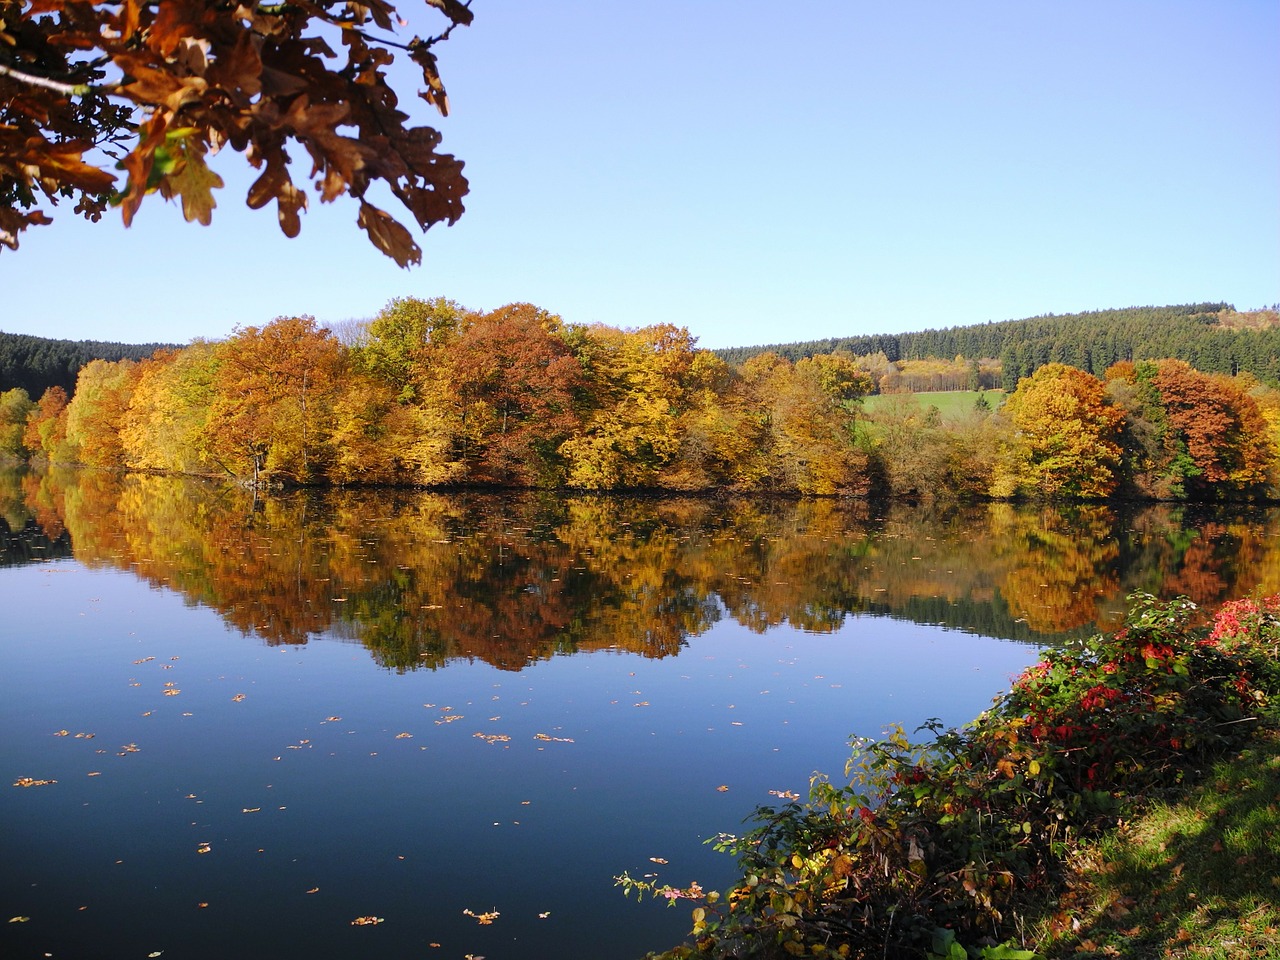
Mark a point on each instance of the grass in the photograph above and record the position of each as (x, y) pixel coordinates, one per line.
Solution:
(1195, 879)
(950, 403)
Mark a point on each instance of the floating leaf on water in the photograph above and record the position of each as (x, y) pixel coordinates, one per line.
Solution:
(543, 736)
(85, 736)
(250, 809)
(643, 703)
(155, 953)
(365, 921)
(62, 733)
(144, 660)
(658, 860)
(483, 918)
(314, 890)
(330, 719)
(203, 848)
(492, 737)
(543, 916)
(404, 736)
(723, 788)
(19, 919)
(237, 698)
(131, 747)
(29, 782)
(450, 718)
(202, 905)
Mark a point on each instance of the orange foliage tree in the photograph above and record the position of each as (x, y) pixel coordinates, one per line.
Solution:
(46, 431)
(158, 85)
(1219, 426)
(512, 381)
(272, 408)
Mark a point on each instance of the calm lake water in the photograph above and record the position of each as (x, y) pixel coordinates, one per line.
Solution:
(265, 719)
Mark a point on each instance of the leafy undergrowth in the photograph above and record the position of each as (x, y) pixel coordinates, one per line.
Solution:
(954, 846)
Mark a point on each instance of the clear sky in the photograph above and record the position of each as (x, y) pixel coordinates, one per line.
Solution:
(761, 173)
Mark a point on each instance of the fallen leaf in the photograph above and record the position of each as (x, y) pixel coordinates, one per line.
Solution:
(29, 782)
(314, 890)
(404, 736)
(203, 848)
(19, 919)
(723, 788)
(237, 698)
(483, 918)
(63, 733)
(365, 921)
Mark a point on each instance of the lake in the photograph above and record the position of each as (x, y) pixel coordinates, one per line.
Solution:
(248, 722)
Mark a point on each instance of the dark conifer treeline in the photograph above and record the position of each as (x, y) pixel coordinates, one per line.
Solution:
(1196, 333)
(37, 363)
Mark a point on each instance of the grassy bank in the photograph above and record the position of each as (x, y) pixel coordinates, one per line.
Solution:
(1118, 801)
(1199, 878)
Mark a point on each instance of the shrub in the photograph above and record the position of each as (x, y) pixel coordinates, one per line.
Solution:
(935, 844)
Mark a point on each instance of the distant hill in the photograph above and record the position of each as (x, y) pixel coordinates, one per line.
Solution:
(37, 363)
(1212, 337)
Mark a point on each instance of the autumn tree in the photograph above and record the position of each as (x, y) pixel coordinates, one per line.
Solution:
(807, 418)
(1063, 440)
(45, 434)
(166, 425)
(1218, 425)
(397, 343)
(636, 393)
(272, 409)
(96, 412)
(512, 385)
(15, 407)
(152, 87)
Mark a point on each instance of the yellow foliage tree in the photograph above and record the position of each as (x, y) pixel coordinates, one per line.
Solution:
(1064, 437)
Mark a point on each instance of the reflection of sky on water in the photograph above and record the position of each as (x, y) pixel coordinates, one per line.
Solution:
(412, 829)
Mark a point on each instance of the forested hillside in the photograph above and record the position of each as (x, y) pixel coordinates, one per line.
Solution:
(1212, 337)
(37, 363)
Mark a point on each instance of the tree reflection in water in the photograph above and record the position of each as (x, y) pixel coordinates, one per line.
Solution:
(424, 578)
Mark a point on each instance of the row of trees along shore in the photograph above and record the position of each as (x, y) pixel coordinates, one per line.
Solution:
(431, 394)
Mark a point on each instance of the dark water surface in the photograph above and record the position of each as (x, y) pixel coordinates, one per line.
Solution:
(268, 719)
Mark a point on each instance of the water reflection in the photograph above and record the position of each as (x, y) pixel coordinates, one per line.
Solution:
(422, 579)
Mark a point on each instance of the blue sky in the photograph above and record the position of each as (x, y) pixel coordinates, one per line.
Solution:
(760, 173)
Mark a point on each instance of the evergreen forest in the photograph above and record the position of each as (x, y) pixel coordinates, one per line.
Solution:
(1212, 337)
